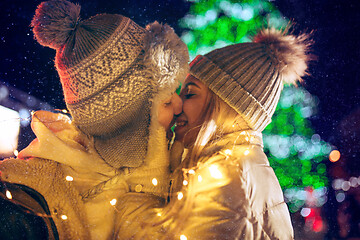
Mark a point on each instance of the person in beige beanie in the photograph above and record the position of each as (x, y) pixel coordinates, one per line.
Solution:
(225, 188)
(118, 80)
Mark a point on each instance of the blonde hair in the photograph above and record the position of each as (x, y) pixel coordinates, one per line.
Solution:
(218, 119)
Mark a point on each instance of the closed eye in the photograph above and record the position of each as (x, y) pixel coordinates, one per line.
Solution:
(189, 95)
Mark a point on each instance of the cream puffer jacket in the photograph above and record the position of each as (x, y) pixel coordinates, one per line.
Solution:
(78, 186)
(230, 193)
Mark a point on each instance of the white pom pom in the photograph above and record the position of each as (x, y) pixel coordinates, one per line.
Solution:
(166, 56)
(289, 51)
(54, 22)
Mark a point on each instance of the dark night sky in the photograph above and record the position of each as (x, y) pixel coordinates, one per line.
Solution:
(335, 76)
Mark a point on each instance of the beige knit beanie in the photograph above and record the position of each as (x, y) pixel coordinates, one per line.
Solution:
(110, 69)
(250, 76)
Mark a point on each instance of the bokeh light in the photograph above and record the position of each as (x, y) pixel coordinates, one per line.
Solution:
(334, 156)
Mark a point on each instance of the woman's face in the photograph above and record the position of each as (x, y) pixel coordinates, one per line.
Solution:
(167, 110)
(194, 96)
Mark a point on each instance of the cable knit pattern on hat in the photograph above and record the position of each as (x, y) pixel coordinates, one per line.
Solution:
(111, 69)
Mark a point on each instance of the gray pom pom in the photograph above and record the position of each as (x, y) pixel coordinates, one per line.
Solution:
(54, 22)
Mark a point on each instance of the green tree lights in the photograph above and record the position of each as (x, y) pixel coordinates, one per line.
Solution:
(212, 24)
(295, 151)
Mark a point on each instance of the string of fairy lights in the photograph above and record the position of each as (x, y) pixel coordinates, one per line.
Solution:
(209, 175)
(296, 153)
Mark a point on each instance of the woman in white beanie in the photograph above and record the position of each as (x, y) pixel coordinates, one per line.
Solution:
(225, 187)
(118, 80)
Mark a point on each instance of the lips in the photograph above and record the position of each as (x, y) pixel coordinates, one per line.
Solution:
(179, 124)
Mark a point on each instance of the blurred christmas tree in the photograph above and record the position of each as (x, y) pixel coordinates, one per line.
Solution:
(295, 152)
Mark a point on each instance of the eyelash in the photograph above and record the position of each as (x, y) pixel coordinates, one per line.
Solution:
(189, 95)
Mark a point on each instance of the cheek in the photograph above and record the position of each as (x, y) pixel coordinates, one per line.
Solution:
(165, 116)
(192, 111)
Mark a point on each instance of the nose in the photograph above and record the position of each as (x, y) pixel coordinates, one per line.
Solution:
(177, 103)
(182, 94)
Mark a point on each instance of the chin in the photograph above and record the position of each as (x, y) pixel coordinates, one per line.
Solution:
(187, 137)
(186, 141)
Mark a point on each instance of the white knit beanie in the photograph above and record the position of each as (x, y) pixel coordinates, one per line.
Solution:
(250, 76)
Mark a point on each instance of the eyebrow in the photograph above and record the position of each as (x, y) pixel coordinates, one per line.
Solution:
(191, 84)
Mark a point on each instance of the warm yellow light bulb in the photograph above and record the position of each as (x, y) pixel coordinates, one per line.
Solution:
(185, 183)
(228, 152)
(69, 178)
(246, 152)
(113, 202)
(180, 195)
(215, 172)
(154, 181)
(199, 178)
(191, 171)
(16, 153)
(8, 194)
(183, 237)
(64, 217)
